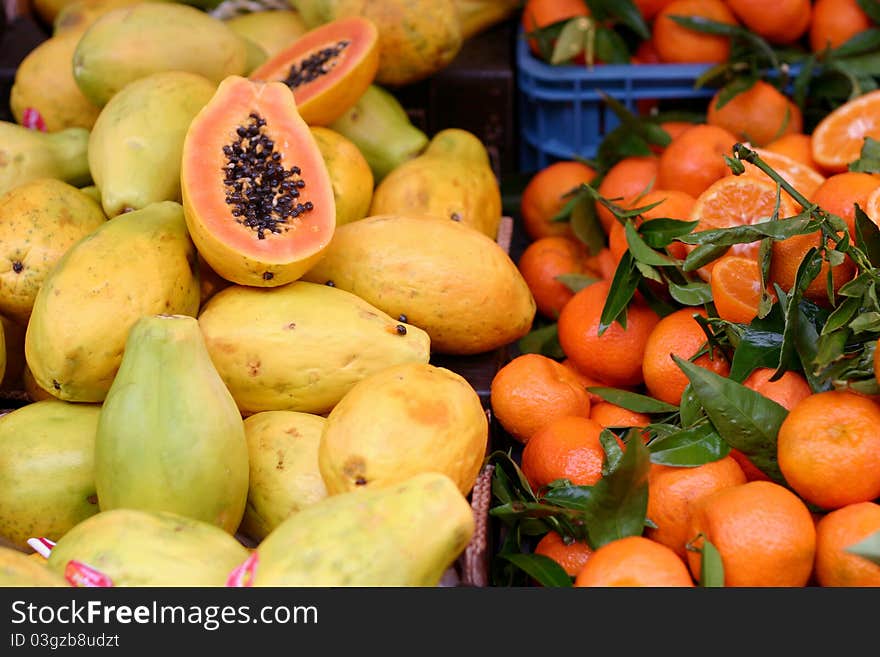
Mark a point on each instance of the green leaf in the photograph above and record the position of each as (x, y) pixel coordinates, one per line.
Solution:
(703, 255)
(689, 447)
(661, 232)
(842, 315)
(586, 225)
(779, 229)
(611, 47)
(711, 567)
(543, 340)
(625, 12)
(760, 345)
(576, 282)
(690, 410)
(690, 294)
(871, 8)
(745, 419)
(737, 86)
(642, 252)
(613, 451)
(623, 286)
(632, 401)
(868, 547)
(862, 43)
(543, 569)
(867, 236)
(615, 507)
(869, 321)
(570, 42)
(869, 158)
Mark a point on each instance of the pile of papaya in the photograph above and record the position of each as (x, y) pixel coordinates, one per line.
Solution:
(227, 261)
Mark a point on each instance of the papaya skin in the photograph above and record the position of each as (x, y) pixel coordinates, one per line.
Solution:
(406, 534)
(136, 144)
(77, 16)
(47, 473)
(44, 82)
(20, 569)
(34, 392)
(231, 248)
(151, 37)
(350, 175)
(39, 222)
(418, 38)
(185, 452)
(139, 548)
(139, 263)
(451, 280)
(401, 421)
(27, 154)
(452, 179)
(284, 474)
(272, 30)
(301, 346)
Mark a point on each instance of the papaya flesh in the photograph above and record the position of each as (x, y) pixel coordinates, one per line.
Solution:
(406, 534)
(327, 68)
(256, 192)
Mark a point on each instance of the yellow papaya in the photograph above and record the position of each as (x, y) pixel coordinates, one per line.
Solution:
(452, 179)
(401, 421)
(19, 569)
(131, 42)
(451, 280)
(136, 264)
(136, 145)
(272, 29)
(301, 346)
(39, 221)
(47, 469)
(78, 15)
(141, 548)
(406, 534)
(284, 473)
(27, 154)
(170, 437)
(350, 174)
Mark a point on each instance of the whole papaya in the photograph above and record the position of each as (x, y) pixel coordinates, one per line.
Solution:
(19, 569)
(271, 29)
(401, 421)
(44, 82)
(137, 264)
(39, 221)
(47, 469)
(454, 282)
(284, 473)
(27, 154)
(406, 534)
(349, 172)
(141, 548)
(301, 346)
(136, 145)
(134, 41)
(452, 179)
(170, 437)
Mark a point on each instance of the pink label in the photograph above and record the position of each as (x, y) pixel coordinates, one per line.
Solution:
(42, 545)
(79, 574)
(32, 119)
(243, 575)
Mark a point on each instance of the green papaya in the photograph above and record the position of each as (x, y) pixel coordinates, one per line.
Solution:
(406, 534)
(39, 221)
(301, 346)
(136, 144)
(136, 264)
(256, 56)
(380, 127)
(47, 469)
(284, 472)
(141, 548)
(131, 42)
(20, 569)
(27, 154)
(170, 437)
(272, 29)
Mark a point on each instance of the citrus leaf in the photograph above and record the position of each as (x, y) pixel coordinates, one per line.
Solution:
(869, 157)
(543, 340)
(642, 252)
(625, 12)
(543, 569)
(867, 236)
(660, 232)
(868, 547)
(760, 345)
(779, 229)
(737, 86)
(508, 481)
(842, 315)
(615, 506)
(690, 294)
(632, 401)
(570, 42)
(871, 8)
(586, 225)
(689, 447)
(745, 419)
(611, 47)
(623, 286)
(576, 282)
(869, 321)
(711, 567)
(703, 255)
(865, 41)
(690, 409)
(613, 451)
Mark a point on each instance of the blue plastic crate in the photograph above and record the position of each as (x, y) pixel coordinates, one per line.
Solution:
(562, 115)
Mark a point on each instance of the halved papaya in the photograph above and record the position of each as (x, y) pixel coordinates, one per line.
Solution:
(256, 192)
(328, 68)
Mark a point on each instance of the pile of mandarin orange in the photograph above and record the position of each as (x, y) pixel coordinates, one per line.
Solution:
(828, 447)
